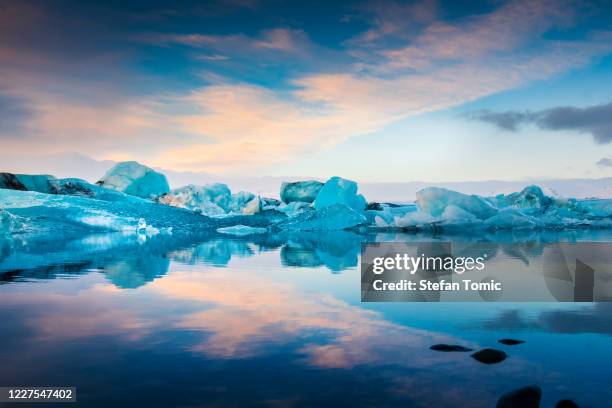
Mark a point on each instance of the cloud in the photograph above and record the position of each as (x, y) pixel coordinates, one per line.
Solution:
(277, 39)
(14, 113)
(594, 120)
(592, 319)
(313, 97)
(605, 162)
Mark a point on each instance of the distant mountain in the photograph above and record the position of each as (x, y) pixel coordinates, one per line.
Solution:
(81, 166)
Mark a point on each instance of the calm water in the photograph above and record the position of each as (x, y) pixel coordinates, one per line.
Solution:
(276, 321)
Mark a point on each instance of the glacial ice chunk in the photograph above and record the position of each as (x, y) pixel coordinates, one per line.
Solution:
(211, 199)
(300, 191)
(434, 201)
(252, 207)
(294, 208)
(241, 230)
(337, 190)
(45, 213)
(135, 179)
(330, 218)
(42, 183)
(510, 218)
(245, 203)
(530, 197)
(10, 223)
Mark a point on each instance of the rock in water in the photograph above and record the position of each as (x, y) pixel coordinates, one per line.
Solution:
(489, 356)
(340, 191)
(135, 179)
(449, 347)
(510, 342)
(566, 403)
(300, 191)
(526, 397)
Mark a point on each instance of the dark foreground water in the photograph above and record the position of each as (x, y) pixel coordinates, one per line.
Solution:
(277, 321)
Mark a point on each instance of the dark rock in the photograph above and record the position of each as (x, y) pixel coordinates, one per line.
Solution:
(449, 347)
(566, 403)
(489, 356)
(510, 342)
(374, 206)
(526, 397)
(11, 182)
(265, 201)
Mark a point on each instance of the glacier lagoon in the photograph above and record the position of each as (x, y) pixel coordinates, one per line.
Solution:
(204, 297)
(276, 319)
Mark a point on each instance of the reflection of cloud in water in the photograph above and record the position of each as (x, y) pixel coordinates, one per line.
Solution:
(87, 313)
(250, 312)
(587, 319)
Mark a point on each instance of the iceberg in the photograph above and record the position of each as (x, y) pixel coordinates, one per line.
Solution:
(241, 230)
(245, 203)
(51, 214)
(527, 209)
(330, 218)
(212, 200)
(135, 179)
(69, 186)
(337, 190)
(434, 201)
(294, 208)
(42, 183)
(10, 223)
(300, 191)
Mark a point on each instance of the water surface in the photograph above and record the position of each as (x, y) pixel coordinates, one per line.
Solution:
(277, 321)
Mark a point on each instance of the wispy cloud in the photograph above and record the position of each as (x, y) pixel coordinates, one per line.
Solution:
(593, 120)
(605, 162)
(408, 61)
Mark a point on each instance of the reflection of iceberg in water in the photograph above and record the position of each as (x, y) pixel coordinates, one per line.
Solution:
(132, 260)
(135, 272)
(129, 260)
(338, 250)
(217, 252)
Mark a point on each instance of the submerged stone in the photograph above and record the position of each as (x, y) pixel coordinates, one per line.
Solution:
(510, 342)
(526, 397)
(449, 347)
(489, 356)
(566, 403)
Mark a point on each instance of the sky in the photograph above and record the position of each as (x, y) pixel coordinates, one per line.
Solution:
(376, 91)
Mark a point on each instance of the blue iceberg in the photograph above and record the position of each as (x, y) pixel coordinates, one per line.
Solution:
(337, 190)
(330, 218)
(135, 179)
(300, 191)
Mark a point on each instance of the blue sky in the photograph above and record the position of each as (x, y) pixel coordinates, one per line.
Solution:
(373, 90)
